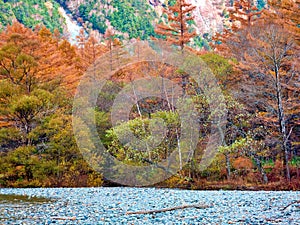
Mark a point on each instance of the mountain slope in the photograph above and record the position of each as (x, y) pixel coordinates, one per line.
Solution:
(31, 13)
(137, 18)
(127, 18)
(6, 14)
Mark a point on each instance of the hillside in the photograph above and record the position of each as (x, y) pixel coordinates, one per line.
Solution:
(128, 18)
(131, 16)
(31, 13)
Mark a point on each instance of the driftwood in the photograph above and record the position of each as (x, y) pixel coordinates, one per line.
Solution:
(64, 218)
(198, 206)
(292, 203)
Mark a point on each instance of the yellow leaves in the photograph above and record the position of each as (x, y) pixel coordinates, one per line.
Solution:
(262, 114)
(295, 143)
(95, 180)
(26, 107)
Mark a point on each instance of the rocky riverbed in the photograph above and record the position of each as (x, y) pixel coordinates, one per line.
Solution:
(110, 205)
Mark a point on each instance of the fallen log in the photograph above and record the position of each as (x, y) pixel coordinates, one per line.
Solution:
(63, 218)
(198, 206)
(292, 203)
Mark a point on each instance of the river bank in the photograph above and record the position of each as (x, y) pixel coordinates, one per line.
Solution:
(111, 206)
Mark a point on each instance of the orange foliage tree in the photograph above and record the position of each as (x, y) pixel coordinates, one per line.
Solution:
(89, 49)
(178, 31)
(242, 16)
(267, 49)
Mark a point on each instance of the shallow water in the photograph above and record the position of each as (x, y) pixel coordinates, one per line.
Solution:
(109, 206)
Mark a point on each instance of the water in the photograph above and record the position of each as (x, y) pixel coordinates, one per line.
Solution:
(110, 205)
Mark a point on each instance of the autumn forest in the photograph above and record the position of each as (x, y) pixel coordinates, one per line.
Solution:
(255, 60)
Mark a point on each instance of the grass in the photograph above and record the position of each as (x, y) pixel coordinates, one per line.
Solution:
(22, 199)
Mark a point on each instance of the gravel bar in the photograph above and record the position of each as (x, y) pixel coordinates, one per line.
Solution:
(109, 205)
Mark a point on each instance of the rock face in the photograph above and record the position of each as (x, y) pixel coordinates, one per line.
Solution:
(209, 14)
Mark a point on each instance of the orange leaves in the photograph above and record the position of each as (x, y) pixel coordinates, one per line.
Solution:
(4, 123)
(285, 13)
(242, 163)
(242, 16)
(267, 49)
(89, 49)
(178, 31)
(55, 59)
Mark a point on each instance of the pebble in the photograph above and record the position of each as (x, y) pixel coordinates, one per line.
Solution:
(108, 205)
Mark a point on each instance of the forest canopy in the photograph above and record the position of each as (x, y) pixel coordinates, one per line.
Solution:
(255, 61)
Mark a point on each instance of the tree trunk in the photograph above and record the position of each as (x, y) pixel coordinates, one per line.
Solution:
(261, 169)
(228, 166)
(226, 154)
(110, 55)
(282, 125)
(143, 124)
(179, 149)
(181, 27)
